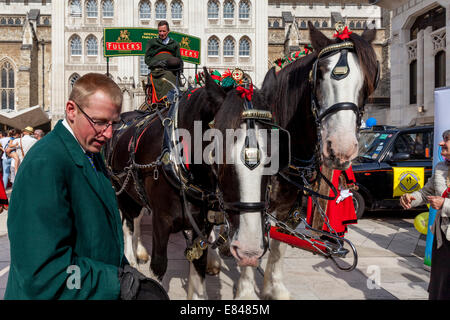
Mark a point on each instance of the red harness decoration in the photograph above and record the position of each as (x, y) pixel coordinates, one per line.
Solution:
(245, 93)
(345, 34)
(445, 193)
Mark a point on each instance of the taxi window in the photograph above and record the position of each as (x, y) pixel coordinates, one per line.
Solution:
(371, 144)
(418, 145)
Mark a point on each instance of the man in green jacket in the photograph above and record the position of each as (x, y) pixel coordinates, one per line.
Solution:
(162, 55)
(64, 225)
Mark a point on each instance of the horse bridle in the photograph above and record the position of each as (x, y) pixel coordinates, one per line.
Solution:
(340, 71)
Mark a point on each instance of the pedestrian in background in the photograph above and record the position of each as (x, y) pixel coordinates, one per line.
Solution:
(436, 192)
(38, 134)
(6, 160)
(64, 225)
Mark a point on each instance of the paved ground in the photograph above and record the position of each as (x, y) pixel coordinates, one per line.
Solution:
(390, 266)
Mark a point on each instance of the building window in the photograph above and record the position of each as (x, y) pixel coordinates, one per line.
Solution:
(177, 10)
(324, 24)
(276, 24)
(108, 9)
(75, 46)
(73, 78)
(7, 86)
(10, 21)
(92, 46)
(145, 12)
(228, 10)
(244, 47)
(75, 8)
(316, 24)
(91, 9)
(439, 69)
(213, 47)
(18, 22)
(3, 21)
(413, 82)
(244, 10)
(160, 9)
(434, 18)
(213, 10)
(228, 47)
(46, 21)
(352, 25)
(143, 68)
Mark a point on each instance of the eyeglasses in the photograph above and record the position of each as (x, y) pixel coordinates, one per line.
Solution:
(100, 125)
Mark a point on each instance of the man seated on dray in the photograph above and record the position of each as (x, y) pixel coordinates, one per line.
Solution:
(162, 55)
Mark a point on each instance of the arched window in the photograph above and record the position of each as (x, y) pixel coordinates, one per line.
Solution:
(3, 21)
(352, 25)
(303, 24)
(244, 47)
(145, 11)
(75, 8)
(358, 25)
(324, 24)
(276, 24)
(228, 10)
(143, 68)
(73, 78)
(75, 46)
(213, 10)
(160, 9)
(108, 9)
(17, 21)
(228, 47)
(7, 86)
(46, 22)
(92, 46)
(10, 21)
(316, 24)
(244, 10)
(177, 10)
(91, 8)
(439, 69)
(213, 47)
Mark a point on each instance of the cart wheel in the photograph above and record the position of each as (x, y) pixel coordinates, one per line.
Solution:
(359, 203)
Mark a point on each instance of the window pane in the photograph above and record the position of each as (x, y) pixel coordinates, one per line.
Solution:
(108, 8)
(4, 103)
(244, 10)
(177, 10)
(213, 47)
(4, 78)
(11, 78)
(213, 10)
(92, 46)
(160, 10)
(244, 47)
(11, 99)
(143, 66)
(228, 10)
(145, 11)
(91, 8)
(413, 82)
(439, 69)
(75, 8)
(228, 47)
(75, 46)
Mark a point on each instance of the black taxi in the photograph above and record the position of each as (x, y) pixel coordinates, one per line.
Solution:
(381, 149)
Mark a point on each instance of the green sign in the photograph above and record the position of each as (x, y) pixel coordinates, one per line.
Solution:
(133, 41)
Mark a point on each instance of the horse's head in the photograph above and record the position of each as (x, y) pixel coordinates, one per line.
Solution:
(243, 162)
(343, 76)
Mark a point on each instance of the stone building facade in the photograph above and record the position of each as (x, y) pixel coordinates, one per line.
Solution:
(288, 32)
(419, 59)
(25, 63)
(231, 32)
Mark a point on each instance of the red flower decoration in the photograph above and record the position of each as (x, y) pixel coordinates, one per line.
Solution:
(345, 34)
(245, 93)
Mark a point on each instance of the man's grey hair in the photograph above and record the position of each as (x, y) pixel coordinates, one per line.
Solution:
(446, 134)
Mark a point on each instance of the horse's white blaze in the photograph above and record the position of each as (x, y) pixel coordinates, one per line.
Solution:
(247, 243)
(339, 129)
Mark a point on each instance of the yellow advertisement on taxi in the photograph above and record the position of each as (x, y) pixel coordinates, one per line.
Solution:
(407, 180)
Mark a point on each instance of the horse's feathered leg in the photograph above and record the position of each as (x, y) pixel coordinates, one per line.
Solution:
(274, 289)
(246, 285)
(160, 240)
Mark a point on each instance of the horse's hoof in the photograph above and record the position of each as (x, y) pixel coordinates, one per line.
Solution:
(280, 293)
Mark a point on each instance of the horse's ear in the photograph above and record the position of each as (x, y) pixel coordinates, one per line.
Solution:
(369, 35)
(269, 86)
(216, 95)
(318, 39)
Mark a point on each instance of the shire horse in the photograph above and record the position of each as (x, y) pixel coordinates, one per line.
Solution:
(319, 100)
(188, 192)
